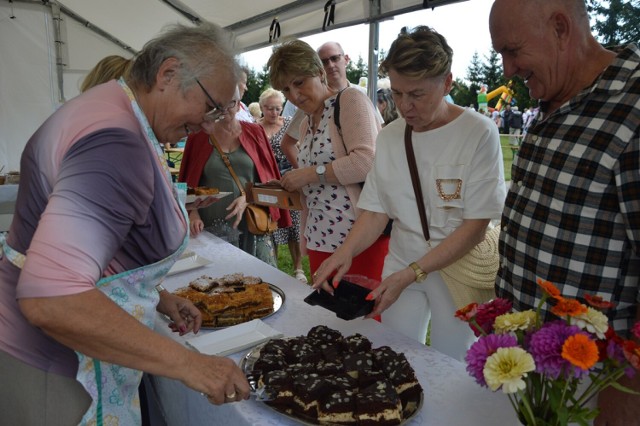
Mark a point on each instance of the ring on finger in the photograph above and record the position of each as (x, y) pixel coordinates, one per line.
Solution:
(231, 396)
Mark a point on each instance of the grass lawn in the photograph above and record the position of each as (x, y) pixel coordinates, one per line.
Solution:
(507, 156)
(285, 263)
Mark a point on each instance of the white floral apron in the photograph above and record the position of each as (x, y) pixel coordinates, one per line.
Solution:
(113, 388)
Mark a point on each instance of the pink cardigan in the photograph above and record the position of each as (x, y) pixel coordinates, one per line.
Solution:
(254, 141)
(360, 127)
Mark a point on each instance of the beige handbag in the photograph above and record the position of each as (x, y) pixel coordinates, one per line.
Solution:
(471, 278)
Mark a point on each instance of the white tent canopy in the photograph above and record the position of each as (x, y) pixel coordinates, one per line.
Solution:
(48, 46)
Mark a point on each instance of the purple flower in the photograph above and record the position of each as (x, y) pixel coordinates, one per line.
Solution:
(615, 353)
(482, 349)
(546, 348)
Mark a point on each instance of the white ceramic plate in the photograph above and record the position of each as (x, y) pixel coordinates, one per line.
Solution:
(234, 339)
(187, 262)
(191, 198)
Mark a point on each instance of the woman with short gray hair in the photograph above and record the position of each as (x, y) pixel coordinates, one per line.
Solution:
(459, 167)
(98, 224)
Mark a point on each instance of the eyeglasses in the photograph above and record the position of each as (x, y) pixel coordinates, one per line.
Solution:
(217, 113)
(334, 59)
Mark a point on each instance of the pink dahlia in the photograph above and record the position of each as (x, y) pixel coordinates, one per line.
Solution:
(487, 313)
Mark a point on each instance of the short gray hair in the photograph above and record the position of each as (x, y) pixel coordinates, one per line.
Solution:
(203, 50)
(419, 53)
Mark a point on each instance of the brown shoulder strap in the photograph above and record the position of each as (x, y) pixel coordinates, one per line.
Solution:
(415, 180)
(216, 145)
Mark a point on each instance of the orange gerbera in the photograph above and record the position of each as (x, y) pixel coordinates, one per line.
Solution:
(598, 302)
(568, 307)
(580, 351)
(549, 288)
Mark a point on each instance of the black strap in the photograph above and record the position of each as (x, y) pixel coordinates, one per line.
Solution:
(415, 179)
(225, 158)
(336, 114)
(329, 14)
(274, 30)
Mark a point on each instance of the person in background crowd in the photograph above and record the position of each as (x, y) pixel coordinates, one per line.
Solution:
(243, 113)
(495, 116)
(386, 106)
(247, 148)
(255, 110)
(505, 114)
(515, 127)
(109, 68)
(332, 162)
(274, 125)
(97, 226)
(450, 143)
(572, 214)
(533, 112)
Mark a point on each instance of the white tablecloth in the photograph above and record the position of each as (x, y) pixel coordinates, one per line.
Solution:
(451, 397)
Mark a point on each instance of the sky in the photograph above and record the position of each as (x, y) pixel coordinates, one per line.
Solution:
(465, 25)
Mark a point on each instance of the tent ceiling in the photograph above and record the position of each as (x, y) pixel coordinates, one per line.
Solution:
(132, 22)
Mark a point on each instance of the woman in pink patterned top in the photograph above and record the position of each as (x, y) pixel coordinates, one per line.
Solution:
(333, 162)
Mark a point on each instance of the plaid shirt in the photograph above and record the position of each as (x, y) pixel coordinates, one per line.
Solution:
(572, 214)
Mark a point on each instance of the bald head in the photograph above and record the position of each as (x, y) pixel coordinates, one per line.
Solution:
(548, 43)
(335, 63)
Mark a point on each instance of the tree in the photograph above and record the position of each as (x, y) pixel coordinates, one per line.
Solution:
(354, 72)
(492, 72)
(615, 22)
(257, 82)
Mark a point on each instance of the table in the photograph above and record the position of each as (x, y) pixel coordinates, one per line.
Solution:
(451, 396)
(8, 195)
(174, 155)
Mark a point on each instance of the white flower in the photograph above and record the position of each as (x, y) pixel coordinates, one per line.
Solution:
(593, 321)
(506, 323)
(508, 367)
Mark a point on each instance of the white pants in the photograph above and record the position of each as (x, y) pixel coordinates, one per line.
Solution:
(430, 300)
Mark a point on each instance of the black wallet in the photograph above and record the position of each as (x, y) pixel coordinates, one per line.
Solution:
(348, 300)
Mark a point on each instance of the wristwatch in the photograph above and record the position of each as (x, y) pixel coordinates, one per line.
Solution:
(420, 274)
(320, 171)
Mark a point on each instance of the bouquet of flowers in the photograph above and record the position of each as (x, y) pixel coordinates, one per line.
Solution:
(541, 366)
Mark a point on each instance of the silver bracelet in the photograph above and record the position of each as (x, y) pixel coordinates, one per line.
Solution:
(160, 288)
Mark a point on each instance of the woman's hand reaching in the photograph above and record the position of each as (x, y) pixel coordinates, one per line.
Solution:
(295, 179)
(196, 225)
(236, 208)
(184, 315)
(389, 290)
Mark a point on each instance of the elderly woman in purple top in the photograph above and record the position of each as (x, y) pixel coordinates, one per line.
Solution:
(97, 226)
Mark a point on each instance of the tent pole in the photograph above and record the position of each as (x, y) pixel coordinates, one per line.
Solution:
(374, 49)
(59, 44)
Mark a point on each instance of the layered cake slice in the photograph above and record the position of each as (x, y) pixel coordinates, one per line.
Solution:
(378, 405)
(337, 408)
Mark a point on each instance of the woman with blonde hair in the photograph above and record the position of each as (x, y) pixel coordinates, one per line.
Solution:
(333, 161)
(244, 147)
(275, 125)
(109, 68)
